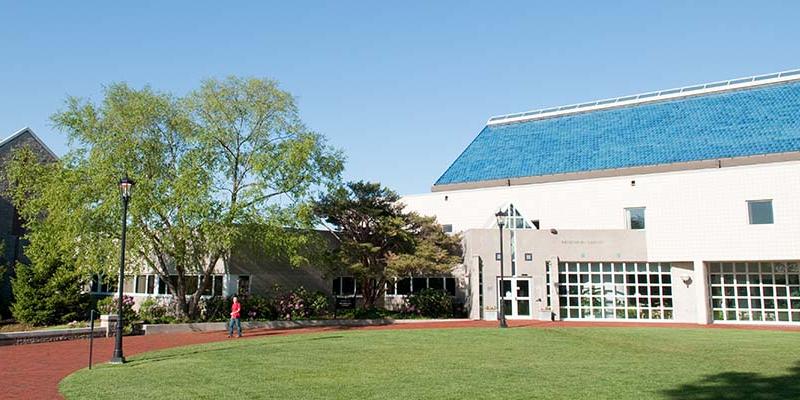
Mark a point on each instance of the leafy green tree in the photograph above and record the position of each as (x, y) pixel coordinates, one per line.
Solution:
(379, 241)
(48, 294)
(230, 160)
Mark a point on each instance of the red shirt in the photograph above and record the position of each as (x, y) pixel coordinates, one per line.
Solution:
(235, 309)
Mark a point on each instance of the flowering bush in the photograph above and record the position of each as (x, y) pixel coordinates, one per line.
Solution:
(109, 306)
(154, 311)
(300, 303)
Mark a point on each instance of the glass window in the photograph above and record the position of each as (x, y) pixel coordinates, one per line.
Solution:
(217, 285)
(348, 286)
(191, 284)
(419, 284)
(151, 284)
(128, 286)
(244, 284)
(162, 286)
(450, 286)
(447, 228)
(336, 287)
(760, 211)
(404, 286)
(206, 291)
(436, 283)
(141, 283)
(635, 217)
(95, 287)
(606, 292)
(752, 297)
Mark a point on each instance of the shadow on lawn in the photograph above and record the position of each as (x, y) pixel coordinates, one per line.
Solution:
(245, 344)
(741, 385)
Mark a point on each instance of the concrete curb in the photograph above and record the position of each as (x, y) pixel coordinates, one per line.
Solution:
(153, 329)
(50, 335)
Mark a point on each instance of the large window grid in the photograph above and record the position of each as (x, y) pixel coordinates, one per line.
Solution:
(347, 286)
(615, 290)
(755, 291)
(153, 284)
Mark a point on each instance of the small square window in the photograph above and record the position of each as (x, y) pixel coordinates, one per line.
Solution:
(497, 256)
(760, 211)
(634, 218)
(528, 256)
(447, 228)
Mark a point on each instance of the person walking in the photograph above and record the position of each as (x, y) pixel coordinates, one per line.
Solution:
(236, 309)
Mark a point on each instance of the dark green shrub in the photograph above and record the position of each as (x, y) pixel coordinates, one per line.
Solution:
(216, 308)
(49, 294)
(432, 303)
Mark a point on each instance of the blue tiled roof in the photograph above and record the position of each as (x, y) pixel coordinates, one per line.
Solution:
(753, 121)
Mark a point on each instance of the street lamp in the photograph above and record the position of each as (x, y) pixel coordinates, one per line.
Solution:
(125, 186)
(501, 221)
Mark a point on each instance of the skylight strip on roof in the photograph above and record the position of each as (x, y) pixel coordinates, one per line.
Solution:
(692, 90)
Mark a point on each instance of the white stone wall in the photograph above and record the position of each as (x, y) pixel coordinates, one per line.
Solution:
(690, 215)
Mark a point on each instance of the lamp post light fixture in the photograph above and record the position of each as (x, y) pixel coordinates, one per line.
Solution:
(125, 186)
(501, 221)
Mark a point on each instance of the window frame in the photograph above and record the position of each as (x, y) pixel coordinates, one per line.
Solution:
(628, 219)
(750, 214)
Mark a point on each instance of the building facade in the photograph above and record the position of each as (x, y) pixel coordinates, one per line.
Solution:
(11, 227)
(680, 205)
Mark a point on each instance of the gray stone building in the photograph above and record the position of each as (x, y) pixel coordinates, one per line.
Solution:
(11, 229)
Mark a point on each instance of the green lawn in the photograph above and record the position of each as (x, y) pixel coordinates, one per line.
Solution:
(521, 363)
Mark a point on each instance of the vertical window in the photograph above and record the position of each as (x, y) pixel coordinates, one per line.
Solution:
(348, 286)
(141, 283)
(404, 286)
(450, 286)
(760, 211)
(244, 284)
(336, 287)
(634, 217)
(128, 285)
(390, 287)
(95, 284)
(162, 286)
(419, 284)
(191, 284)
(209, 290)
(218, 285)
(151, 284)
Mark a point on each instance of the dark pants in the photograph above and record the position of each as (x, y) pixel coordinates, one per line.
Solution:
(238, 323)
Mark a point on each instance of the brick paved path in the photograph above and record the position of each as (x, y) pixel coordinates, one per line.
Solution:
(33, 371)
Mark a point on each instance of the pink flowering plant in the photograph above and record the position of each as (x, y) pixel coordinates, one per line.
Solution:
(109, 305)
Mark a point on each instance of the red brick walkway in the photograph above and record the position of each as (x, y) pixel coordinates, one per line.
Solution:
(34, 371)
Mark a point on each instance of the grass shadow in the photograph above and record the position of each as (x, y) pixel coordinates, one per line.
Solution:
(741, 386)
(193, 350)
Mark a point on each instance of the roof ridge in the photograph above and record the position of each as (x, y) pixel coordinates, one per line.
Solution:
(649, 97)
(35, 137)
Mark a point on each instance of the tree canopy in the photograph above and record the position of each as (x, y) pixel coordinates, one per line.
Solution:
(231, 158)
(380, 241)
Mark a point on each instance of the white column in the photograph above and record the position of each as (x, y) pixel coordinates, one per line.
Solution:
(700, 282)
(555, 304)
(474, 287)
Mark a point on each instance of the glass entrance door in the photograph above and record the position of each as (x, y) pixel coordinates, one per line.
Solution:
(517, 298)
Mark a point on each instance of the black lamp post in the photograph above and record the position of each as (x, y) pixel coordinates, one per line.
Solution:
(125, 186)
(501, 221)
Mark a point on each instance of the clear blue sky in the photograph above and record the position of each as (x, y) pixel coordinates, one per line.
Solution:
(402, 88)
